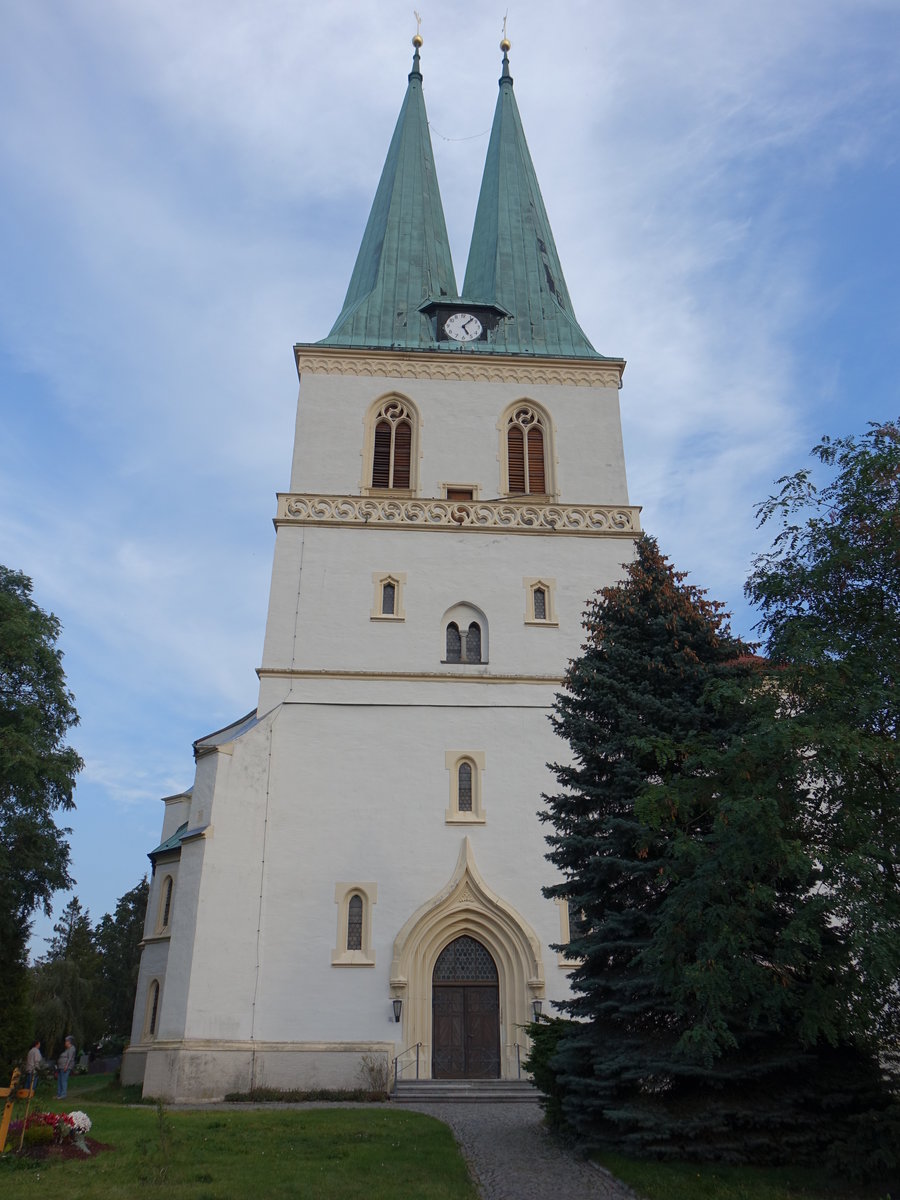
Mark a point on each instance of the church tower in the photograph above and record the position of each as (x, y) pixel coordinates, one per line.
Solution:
(357, 869)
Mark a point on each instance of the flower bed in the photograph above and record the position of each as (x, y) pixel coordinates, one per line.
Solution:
(47, 1132)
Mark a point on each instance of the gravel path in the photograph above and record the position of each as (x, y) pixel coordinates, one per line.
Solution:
(512, 1157)
(510, 1154)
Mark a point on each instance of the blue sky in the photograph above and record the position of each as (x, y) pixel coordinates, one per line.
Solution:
(183, 189)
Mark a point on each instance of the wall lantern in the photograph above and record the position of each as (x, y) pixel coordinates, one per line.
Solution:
(398, 1005)
(537, 1006)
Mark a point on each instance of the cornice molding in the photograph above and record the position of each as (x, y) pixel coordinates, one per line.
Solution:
(476, 516)
(456, 676)
(467, 367)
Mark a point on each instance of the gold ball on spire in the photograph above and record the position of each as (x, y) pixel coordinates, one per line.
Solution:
(505, 45)
(417, 41)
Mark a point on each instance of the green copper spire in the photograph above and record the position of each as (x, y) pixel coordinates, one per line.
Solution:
(404, 259)
(513, 260)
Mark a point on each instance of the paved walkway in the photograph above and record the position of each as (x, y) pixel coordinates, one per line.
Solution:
(513, 1157)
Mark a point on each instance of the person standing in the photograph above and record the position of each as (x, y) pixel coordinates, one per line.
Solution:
(64, 1065)
(32, 1063)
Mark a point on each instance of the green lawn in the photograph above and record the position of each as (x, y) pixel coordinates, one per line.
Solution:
(689, 1181)
(327, 1154)
(373, 1153)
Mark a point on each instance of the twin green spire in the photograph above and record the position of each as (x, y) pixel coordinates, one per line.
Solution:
(404, 273)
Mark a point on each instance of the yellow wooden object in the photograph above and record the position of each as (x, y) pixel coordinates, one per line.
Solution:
(10, 1094)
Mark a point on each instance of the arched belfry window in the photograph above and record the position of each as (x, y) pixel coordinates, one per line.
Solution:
(393, 445)
(527, 457)
(454, 643)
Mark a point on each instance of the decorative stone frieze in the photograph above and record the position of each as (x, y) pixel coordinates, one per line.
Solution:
(488, 516)
(467, 368)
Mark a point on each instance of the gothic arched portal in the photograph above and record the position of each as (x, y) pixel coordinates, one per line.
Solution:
(465, 1008)
(467, 927)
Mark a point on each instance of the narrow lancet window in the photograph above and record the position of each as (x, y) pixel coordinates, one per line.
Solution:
(167, 902)
(454, 643)
(473, 643)
(354, 923)
(388, 599)
(464, 792)
(154, 1006)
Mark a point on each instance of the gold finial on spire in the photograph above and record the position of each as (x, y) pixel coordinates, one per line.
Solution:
(417, 37)
(505, 43)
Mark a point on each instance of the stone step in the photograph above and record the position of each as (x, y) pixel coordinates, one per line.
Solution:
(466, 1091)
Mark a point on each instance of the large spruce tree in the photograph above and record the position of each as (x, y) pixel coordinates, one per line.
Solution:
(701, 1014)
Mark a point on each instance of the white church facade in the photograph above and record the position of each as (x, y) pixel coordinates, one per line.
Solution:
(357, 868)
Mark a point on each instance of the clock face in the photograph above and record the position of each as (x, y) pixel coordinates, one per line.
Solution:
(462, 327)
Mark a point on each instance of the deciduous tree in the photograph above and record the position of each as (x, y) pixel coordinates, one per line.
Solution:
(118, 941)
(37, 780)
(829, 596)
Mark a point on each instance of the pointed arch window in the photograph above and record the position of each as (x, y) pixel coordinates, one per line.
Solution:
(354, 922)
(466, 768)
(165, 908)
(387, 598)
(464, 787)
(354, 929)
(152, 1007)
(527, 470)
(572, 924)
(464, 630)
(393, 439)
(540, 601)
(473, 643)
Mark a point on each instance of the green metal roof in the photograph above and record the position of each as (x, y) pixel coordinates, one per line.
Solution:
(513, 259)
(404, 259)
(171, 843)
(403, 280)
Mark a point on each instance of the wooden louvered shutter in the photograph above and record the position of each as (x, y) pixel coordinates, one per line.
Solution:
(402, 444)
(536, 460)
(381, 459)
(515, 453)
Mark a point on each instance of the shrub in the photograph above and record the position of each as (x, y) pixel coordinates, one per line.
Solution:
(543, 1067)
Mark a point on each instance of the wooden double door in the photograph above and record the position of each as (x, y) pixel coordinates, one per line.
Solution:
(465, 1013)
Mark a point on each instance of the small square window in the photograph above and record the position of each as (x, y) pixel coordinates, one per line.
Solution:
(460, 491)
